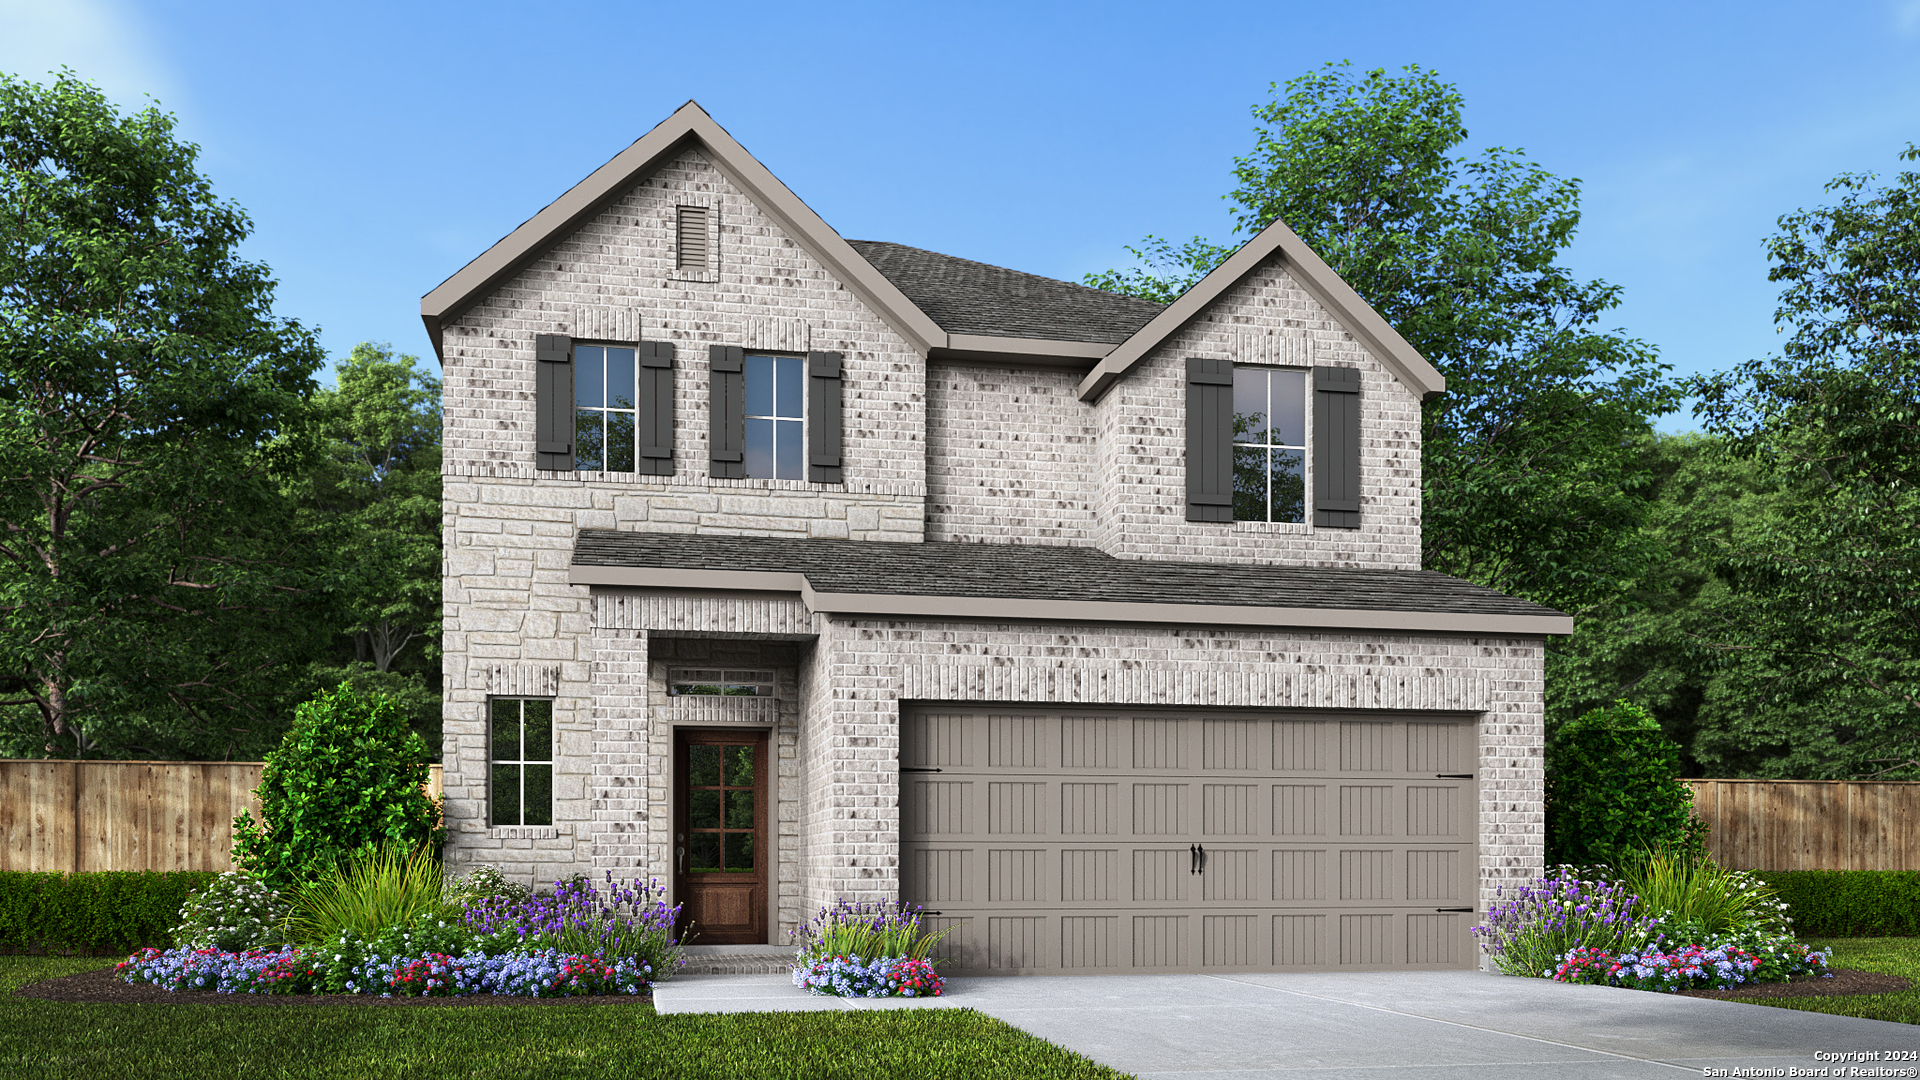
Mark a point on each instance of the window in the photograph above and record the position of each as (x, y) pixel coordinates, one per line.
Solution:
(775, 444)
(520, 769)
(1269, 444)
(713, 681)
(603, 417)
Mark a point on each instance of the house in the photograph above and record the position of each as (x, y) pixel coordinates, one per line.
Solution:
(785, 567)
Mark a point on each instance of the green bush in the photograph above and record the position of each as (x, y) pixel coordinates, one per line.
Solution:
(108, 912)
(1613, 788)
(234, 913)
(349, 775)
(383, 887)
(1849, 903)
(1697, 898)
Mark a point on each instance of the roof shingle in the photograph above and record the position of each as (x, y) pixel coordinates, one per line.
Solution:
(966, 297)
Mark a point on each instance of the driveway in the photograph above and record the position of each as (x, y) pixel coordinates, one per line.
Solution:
(1408, 1025)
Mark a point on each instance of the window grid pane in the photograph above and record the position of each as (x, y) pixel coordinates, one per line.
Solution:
(1269, 436)
(520, 770)
(776, 431)
(603, 420)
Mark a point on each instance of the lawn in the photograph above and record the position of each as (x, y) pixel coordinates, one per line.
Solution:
(1892, 956)
(99, 1042)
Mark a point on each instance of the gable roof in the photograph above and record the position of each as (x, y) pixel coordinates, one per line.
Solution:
(967, 297)
(1034, 581)
(689, 125)
(1313, 274)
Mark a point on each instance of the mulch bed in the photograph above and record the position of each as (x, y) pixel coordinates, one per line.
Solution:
(103, 987)
(1843, 982)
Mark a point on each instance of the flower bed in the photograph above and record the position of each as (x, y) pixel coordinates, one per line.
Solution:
(543, 973)
(1692, 967)
(851, 976)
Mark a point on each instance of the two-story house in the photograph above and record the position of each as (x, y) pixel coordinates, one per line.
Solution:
(785, 567)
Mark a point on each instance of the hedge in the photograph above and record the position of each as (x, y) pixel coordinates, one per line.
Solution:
(1849, 903)
(108, 912)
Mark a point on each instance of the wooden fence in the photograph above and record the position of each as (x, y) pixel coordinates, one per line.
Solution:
(1811, 824)
(127, 815)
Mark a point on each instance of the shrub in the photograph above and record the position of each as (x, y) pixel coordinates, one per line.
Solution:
(485, 882)
(234, 913)
(1530, 933)
(1849, 903)
(348, 775)
(1695, 898)
(379, 889)
(99, 912)
(1613, 787)
(630, 922)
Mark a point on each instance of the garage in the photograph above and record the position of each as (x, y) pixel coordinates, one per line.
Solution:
(1111, 841)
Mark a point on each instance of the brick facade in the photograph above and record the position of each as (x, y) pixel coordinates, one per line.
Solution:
(949, 451)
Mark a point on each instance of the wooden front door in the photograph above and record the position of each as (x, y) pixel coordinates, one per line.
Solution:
(720, 831)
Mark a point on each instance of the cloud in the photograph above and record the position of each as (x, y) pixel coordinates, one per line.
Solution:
(1906, 17)
(99, 39)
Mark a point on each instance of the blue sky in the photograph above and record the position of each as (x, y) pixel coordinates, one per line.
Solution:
(380, 146)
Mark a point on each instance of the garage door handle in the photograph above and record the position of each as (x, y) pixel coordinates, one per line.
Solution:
(1194, 850)
(1468, 910)
(1453, 776)
(1203, 858)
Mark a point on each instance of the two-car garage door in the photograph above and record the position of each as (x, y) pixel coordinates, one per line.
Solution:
(1137, 840)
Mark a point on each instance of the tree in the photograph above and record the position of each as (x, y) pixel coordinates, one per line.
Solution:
(1531, 482)
(1832, 586)
(1613, 788)
(152, 409)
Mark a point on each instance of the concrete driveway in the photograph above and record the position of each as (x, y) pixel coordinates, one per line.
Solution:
(1411, 1025)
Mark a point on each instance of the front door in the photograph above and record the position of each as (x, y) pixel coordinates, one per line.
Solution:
(720, 831)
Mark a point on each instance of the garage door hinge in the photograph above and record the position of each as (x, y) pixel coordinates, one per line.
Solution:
(912, 768)
(1453, 776)
(1468, 910)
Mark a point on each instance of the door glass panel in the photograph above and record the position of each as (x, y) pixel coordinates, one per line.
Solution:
(703, 809)
(739, 810)
(703, 765)
(739, 766)
(703, 852)
(739, 851)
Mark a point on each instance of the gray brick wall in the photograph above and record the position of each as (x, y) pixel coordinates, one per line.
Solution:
(1011, 456)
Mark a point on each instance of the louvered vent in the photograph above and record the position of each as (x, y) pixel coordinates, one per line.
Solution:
(692, 241)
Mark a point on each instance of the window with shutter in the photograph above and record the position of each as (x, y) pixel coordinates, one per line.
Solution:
(823, 417)
(1336, 447)
(553, 395)
(603, 417)
(1209, 440)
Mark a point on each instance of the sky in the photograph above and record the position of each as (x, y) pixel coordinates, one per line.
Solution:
(378, 147)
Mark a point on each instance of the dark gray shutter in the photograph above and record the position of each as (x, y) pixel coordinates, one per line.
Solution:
(823, 417)
(1209, 440)
(1336, 447)
(553, 402)
(656, 409)
(727, 412)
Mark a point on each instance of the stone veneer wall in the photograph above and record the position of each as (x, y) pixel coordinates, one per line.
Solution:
(1266, 319)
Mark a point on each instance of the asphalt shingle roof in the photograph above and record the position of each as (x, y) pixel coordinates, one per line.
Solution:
(967, 297)
(1036, 572)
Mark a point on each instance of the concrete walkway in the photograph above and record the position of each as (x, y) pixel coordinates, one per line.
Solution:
(1412, 1025)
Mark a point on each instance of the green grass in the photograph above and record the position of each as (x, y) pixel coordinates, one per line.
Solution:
(209, 1042)
(1891, 956)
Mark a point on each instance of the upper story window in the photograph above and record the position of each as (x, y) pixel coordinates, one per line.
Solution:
(776, 442)
(604, 411)
(1269, 444)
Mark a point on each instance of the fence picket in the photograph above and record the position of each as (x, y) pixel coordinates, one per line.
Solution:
(1810, 824)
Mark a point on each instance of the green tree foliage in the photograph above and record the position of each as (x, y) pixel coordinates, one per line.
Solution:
(152, 409)
(1613, 788)
(1531, 484)
(1831, 586)
(348, 776)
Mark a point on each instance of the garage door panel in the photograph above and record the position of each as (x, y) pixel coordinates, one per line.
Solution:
(1111, 843)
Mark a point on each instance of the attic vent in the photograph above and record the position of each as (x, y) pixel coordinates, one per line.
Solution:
(691, 243)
